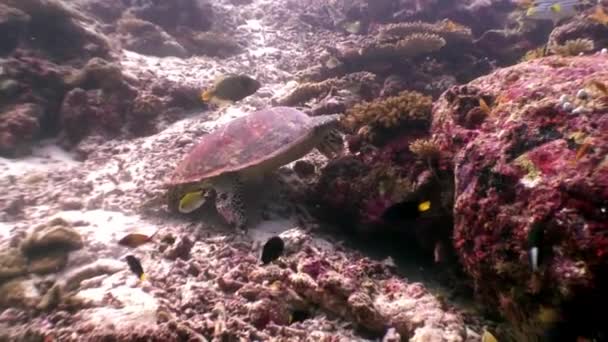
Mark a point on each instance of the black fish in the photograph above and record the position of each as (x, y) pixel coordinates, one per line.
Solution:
(135, 267)
(273, 248)
(406, 210)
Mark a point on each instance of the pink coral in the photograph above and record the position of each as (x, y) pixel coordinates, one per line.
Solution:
(518, 168)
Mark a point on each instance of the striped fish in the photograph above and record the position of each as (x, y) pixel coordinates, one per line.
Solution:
(554, 10)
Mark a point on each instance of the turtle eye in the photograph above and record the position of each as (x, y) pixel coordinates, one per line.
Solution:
(223, 197)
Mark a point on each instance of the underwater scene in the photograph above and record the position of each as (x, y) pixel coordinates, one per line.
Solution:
(304, 170)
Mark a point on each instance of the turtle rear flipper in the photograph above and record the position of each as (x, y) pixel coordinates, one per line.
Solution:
(229, 201)
(332, 144)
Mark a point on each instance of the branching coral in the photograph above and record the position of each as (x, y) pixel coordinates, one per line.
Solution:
(304, 92)
(389, 113)
(447, 29)
(307, 91)
(573, 47)
(407, 47)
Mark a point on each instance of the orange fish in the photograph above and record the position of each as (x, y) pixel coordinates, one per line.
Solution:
(582, 150)
(133, 240)
(484, 106)
(599, 15)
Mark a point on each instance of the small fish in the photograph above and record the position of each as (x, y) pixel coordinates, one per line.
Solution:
(535, 239)
(353, 27)
(230, 88)
(599, 15)
(554, 10)
(488, 337)
(135, 267)
(484, 106)
(582, 151)
(406, 210)
(272, 250)
(192, 201)
(548, 315)
(438, 252)
(134, 240)
(332, 62)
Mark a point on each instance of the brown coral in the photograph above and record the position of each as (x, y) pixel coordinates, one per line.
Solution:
(388, 113)
(426, 149)
(307, 91)
(357, 83)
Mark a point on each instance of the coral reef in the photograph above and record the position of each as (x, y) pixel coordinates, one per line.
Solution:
(582, 28)
(520, 169)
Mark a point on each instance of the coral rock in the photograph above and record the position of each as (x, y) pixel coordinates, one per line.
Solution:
(518, 173)
(194, 14)
(149, 39)
(55, 236)
(12, 264)
(18, 128)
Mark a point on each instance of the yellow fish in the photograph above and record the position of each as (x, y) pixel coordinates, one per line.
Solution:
(192, 201)
(424, 206)
(599, 15)
(554, 10)
(488, 337)
(230, 88)
(548, 315)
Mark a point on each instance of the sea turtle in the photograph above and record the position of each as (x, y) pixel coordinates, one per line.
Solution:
(244, 149)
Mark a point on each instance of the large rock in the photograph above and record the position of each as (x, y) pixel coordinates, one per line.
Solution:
(170, 15)
(147, 38)
(533, 171)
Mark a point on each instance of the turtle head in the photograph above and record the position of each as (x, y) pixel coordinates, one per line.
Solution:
(330, 143)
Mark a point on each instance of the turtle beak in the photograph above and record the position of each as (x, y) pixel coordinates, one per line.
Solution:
(208, 194)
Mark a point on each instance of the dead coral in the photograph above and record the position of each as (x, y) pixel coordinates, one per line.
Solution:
(357, 83)
(573, 47)
(388, 113)
(212, 44)
(307, 91)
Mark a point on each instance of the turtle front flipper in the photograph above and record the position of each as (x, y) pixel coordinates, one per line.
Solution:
(229, 201)
(331, 144)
